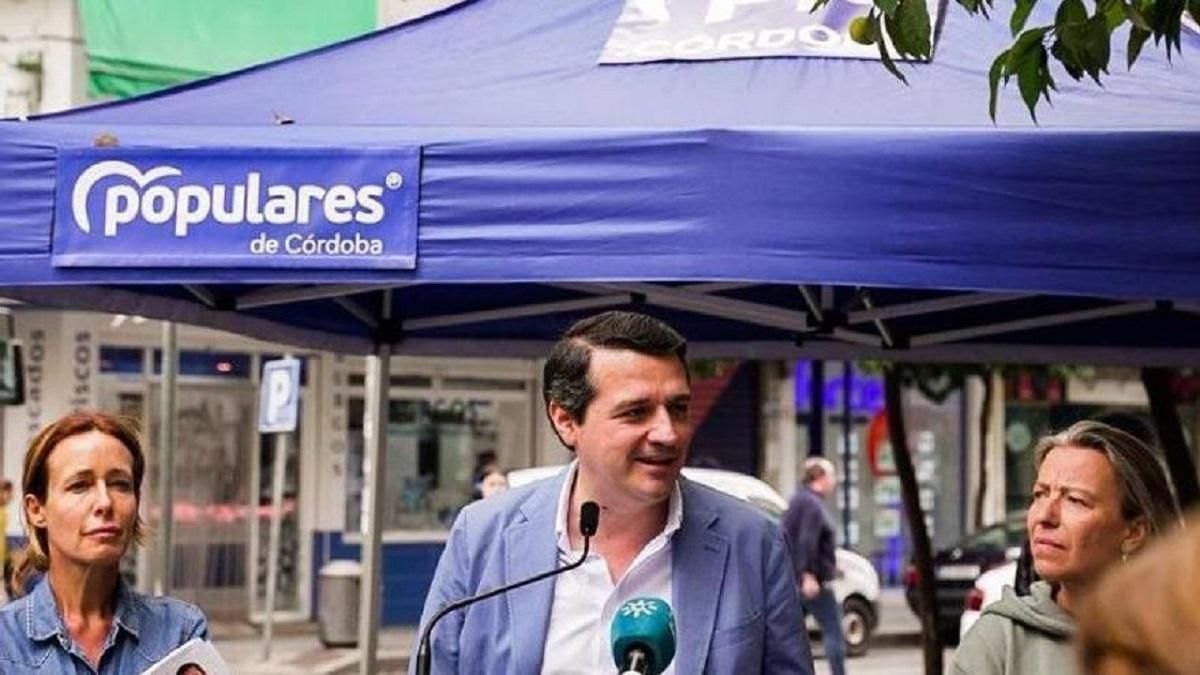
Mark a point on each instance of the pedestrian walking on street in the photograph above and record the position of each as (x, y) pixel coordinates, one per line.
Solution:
(809, 529)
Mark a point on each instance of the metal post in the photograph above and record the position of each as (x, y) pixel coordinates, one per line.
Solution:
(166, 456)
(374, 472)
(847, 431)
(816, 408)
(280, 467)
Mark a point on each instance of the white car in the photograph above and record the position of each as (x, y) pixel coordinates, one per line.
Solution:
(989, 588)
(857, 582)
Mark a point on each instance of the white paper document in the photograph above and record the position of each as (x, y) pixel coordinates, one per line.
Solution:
(197, 653)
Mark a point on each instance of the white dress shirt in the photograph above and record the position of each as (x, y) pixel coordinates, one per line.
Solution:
(586, 598)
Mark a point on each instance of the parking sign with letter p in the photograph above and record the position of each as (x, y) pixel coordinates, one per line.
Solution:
(279, 396)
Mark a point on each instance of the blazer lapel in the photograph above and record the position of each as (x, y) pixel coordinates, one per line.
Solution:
(530, 549)
(697, 575)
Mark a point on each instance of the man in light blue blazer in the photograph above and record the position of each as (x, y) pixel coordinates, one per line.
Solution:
(617, 393)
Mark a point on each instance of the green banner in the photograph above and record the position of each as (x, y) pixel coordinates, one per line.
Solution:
(137, 46)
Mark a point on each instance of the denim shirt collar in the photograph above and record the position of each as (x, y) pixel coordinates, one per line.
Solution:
(43, 620)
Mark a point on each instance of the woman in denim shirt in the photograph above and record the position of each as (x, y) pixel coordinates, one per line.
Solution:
(82, 484)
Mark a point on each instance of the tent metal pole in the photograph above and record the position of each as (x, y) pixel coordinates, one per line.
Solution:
(1047, 321)
(699, 303)
(813, 306)
(285, 293)
(961, 301)
(202, 294)
(278, 470)
(166, 455)
(374, 471)
(358, 311)
(519, 311)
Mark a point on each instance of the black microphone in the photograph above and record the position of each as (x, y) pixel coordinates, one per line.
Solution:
(589, 522)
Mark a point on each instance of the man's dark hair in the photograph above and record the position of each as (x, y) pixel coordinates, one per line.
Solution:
(565, 376)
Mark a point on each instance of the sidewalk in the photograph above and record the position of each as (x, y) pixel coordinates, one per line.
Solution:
(296, 650)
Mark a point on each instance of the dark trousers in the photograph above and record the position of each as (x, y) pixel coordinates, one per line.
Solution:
(824, 608)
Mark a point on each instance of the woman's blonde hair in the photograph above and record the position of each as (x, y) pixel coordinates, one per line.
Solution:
(1145, 489)
(35, 478)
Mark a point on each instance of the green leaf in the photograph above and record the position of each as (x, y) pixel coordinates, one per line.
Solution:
(1193, 8)
(1020, 15)
(1068, 58)
(1029, 81)
(1173, 23)
(1032, 78)
(890, 65)
(994, 74)
(977, 6)
(888, 7)
(1050, 84)
(1070, 11)
(1097, 47)
(1137, 38)
(1029, 40)
(1114, 15)
(909, 29)
(899, 40)
(1135, 16)
(817, 4)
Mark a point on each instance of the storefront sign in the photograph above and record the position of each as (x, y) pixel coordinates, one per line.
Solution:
(244, 208)
(660, 30)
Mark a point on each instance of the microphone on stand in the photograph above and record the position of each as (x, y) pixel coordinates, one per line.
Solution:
(643, 636)
(589, 522)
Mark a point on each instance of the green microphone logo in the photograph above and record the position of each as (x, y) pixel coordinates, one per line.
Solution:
(643, 636)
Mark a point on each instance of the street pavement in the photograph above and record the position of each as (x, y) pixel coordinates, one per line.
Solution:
(887, 659)
(296, 648)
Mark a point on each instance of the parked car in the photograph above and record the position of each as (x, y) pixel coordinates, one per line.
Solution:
(857, 582)
(988, 588)
(956, 568)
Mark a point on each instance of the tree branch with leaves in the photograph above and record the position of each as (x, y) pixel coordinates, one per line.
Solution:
(1079, 39)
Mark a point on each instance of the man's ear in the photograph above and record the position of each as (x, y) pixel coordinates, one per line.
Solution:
(564, 424)
(35, 512)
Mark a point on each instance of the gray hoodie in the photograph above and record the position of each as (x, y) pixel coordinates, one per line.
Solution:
(1019, 635)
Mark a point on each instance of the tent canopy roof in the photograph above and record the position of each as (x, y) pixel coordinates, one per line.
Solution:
(533, 63)
(710, 192)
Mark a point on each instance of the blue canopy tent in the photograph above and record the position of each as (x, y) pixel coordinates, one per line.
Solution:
(768, 207)
(542, 171)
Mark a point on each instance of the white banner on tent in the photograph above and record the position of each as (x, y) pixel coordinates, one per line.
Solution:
(237, 207)
(705, 30)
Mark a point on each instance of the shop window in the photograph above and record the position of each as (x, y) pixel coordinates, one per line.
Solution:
(409, 381)
(224, 365)
(122, 360)
(434, 448)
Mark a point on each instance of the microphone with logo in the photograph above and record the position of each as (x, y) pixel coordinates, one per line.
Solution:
(589, 522)
(643, 637)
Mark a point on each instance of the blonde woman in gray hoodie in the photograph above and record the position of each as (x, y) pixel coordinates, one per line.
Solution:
(1099, 496)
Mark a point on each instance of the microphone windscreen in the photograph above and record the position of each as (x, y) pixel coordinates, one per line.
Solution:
(646, 624)
(589, 518)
